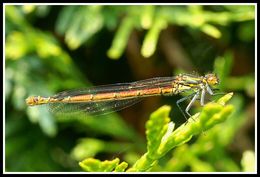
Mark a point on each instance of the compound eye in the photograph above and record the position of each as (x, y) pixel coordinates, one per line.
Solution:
(212, 80)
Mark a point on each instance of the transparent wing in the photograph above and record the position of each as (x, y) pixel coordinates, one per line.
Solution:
(143, 84)
(92, 108)
(103, 107)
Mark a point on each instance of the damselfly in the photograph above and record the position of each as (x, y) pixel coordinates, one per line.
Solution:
(108, 98)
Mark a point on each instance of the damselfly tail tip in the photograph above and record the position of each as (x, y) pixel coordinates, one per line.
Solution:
(34, 100)
(30, 101)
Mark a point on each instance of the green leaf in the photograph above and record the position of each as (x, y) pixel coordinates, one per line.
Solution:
(151, 38)
(121, 38)
(147, 16)
(64, 19)
(94, 165)
(211, 30)
(15, 15)
(121, 167)
(110, 124)
(17, 42)
(156, 127)
(212, 114)
(223, 66)
(89, 147)
(82, 27)
(200, 166)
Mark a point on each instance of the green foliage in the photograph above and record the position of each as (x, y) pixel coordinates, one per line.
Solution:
(156, 128)
(49, 49)
(89, 147)
(78, 24)
(158, 19)
(122, 35)
(94, 165)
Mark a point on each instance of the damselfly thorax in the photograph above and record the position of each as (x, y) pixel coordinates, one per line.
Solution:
(108, 98)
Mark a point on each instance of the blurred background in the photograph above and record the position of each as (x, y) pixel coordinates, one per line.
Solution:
(49, 49)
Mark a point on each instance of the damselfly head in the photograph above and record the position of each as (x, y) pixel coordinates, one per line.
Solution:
(212, 79)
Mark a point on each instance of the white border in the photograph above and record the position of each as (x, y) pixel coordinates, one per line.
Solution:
(4, 4)
(130, 4)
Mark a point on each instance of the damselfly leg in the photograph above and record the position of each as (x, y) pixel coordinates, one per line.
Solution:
(200, 94)
(181, 100)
